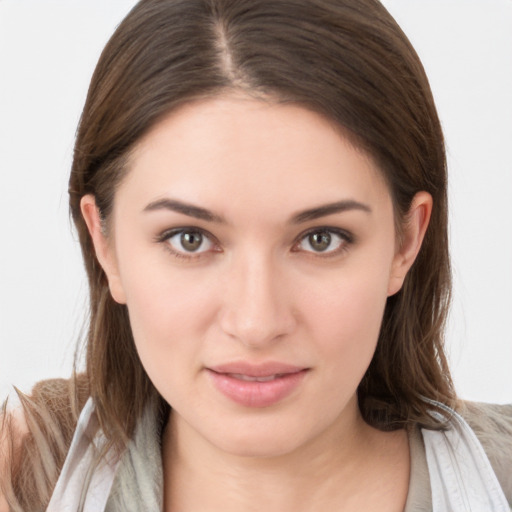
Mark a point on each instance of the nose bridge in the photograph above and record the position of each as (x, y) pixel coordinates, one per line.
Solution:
(256, 308)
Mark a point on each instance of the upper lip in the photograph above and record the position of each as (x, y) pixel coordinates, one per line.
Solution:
(256, 369)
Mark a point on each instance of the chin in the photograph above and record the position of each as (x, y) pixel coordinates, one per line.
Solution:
(261, 437)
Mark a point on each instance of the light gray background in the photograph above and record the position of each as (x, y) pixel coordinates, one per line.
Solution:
(48, 50)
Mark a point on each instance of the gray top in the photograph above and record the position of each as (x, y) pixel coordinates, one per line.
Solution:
(139, 480)
(492, 425)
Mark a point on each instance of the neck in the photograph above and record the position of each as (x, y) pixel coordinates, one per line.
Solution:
(334, 469)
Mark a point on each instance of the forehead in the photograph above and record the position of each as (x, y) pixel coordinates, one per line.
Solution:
(234, 150)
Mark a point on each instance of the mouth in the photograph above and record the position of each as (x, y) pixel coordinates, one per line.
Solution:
(249, 378)
(260, 385)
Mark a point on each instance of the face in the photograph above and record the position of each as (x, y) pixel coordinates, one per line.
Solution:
(255, 249)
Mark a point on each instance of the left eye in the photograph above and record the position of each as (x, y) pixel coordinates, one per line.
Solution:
(189, 241)
(322, 241)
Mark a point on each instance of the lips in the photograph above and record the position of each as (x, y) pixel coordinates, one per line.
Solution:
(259, 385)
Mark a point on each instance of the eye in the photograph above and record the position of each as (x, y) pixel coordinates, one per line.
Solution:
(187, 241)
(323, 241)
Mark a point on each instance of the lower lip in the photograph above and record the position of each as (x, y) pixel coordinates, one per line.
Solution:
(254, 393)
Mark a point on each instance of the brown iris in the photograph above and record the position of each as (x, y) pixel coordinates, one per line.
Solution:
(191, 240)
(320, 241)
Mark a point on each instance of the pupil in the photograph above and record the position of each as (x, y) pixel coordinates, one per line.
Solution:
(191, 241)
(320, 241)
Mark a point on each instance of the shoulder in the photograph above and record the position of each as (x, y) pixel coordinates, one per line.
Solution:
(34, 438)
(492, 424)
(13, 430)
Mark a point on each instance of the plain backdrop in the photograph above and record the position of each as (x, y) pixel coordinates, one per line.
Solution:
(48, 50)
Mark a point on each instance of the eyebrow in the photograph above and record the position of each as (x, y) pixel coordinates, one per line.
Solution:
(329, 209)
(184, 208)
(203, 214)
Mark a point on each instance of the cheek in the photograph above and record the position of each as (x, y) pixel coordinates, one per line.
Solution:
(168, 303)
(345, 316)
(168, 309)
(167, 315)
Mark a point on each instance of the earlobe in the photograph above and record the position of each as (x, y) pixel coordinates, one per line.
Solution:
(103, 248)
(414, 229)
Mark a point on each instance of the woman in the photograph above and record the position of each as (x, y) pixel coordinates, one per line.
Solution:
(260, 194)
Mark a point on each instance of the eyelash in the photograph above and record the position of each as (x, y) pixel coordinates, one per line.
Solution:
(346, 239)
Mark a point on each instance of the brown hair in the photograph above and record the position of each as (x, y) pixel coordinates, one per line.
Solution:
(345, 59)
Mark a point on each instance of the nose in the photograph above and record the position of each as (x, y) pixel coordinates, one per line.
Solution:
(256, 308)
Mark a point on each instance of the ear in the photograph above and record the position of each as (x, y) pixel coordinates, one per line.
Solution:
(413, 232)
(103, 247)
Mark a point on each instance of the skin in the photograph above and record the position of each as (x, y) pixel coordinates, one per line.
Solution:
(258, 290)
